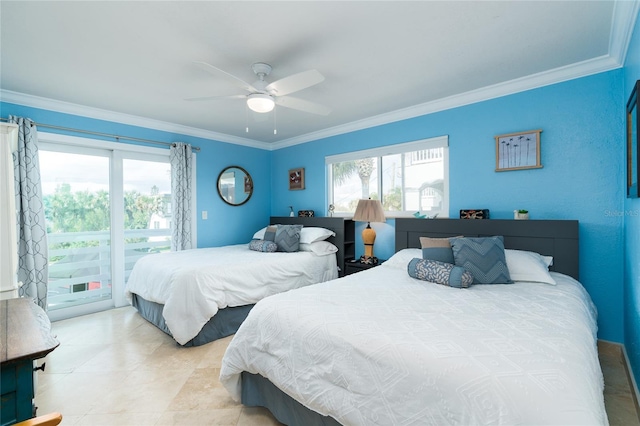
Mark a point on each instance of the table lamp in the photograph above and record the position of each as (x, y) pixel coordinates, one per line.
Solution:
(369, 211)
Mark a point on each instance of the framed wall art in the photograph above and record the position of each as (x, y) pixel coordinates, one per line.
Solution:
(296, 179)
(633, 140)
(518, 151)
(248, 184)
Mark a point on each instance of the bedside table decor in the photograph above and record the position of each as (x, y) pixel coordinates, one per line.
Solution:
(474, 214)
(355, 265)
(369, 211)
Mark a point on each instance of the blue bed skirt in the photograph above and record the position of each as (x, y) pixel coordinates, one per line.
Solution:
(224, 323)
(260, 392)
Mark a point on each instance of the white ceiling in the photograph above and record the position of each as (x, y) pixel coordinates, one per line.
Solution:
(383, 61)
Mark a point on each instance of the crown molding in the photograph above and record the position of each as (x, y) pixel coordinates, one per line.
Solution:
(625, 14)
(117, 117)
(546, 78)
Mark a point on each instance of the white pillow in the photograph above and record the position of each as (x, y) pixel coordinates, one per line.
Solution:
(320, 248)
(402, 258)
(529, 266)
(308, 235)
(311, 234)
(259, 235)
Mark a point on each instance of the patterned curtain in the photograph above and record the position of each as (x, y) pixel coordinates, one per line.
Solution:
(181, 186)
(33, 268)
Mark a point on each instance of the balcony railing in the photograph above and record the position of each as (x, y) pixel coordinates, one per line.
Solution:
(80, 262)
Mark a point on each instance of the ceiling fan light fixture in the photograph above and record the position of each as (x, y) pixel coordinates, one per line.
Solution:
(260, 102)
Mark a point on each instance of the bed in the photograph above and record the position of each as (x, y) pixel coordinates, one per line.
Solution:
(200, 295)
(382, 348)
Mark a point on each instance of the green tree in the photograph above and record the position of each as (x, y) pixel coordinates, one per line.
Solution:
(363, 167)
(83, 211)
(393, 199)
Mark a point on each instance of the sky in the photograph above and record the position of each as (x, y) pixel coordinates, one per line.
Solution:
(90, 172)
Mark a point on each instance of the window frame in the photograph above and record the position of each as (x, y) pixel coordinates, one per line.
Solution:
(378, 153)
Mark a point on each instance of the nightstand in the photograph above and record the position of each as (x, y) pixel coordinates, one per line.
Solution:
(353, 267)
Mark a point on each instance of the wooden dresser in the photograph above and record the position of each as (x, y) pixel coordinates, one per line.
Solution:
(25, 335)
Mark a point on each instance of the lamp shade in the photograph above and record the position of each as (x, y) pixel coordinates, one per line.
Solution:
(259, 102)
(369, 211)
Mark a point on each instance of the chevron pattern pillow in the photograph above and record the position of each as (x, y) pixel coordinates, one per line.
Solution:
(483, 257)
(439, 273)
(288, 237)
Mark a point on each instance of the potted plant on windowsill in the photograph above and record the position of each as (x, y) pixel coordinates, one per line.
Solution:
(521, 214)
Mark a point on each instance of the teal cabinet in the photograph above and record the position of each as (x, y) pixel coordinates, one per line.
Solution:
(25, 336)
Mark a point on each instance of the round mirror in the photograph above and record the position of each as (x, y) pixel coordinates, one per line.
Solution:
(235, 185)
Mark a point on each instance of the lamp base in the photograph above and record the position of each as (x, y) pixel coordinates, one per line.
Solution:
(368, 238)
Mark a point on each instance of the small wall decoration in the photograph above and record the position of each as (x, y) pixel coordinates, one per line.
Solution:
(633, 141)
(296, 179)
(518, 151)
(248, 184)
(474, 214)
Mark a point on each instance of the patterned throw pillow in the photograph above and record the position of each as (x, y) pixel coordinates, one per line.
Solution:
(439, 273)
(483, 257)
(436, 249)
(263, 246)
(287, 237)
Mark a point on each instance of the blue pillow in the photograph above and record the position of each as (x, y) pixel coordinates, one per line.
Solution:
(483, 257)
(288, 237)
(439, 273)
(263, 246)
(436, 249)
(270, 233)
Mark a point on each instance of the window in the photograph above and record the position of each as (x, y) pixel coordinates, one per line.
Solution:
(407, 178)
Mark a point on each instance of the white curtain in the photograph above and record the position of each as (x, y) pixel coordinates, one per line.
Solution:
(33, 255)
(181, 187)
(8, 238)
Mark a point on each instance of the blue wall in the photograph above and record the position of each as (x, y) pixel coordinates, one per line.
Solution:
(632, 231)
(582, 122)
(225, 224)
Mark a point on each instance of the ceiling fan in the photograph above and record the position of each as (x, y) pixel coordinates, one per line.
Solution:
(262, 96)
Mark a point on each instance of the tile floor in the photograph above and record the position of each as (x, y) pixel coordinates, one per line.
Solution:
(114, 368)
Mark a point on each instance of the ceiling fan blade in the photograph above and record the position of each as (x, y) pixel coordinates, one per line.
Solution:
(218, 72)
(302, 105)
(295, 82)
(213, 98)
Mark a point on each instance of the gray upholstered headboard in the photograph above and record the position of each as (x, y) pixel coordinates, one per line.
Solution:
(557, 238)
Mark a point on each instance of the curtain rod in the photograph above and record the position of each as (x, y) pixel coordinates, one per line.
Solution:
(106, 135)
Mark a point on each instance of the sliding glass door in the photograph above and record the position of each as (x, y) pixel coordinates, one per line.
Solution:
(105, 209)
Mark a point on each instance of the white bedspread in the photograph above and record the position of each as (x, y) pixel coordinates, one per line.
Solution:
(194, 284)
(381, 348)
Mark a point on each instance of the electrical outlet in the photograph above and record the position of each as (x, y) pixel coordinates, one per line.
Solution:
(204, 215)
